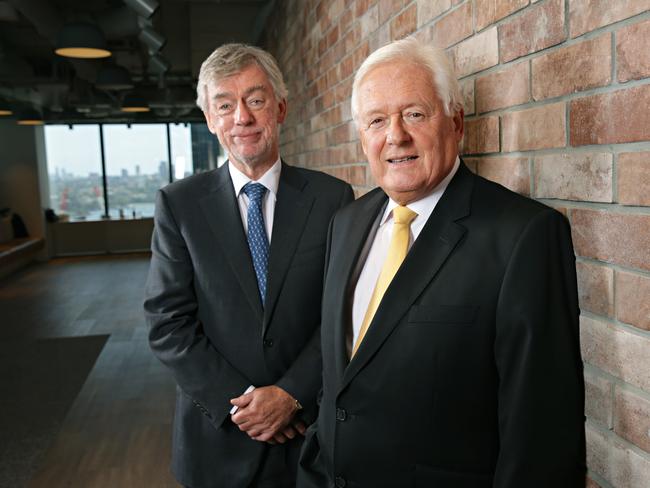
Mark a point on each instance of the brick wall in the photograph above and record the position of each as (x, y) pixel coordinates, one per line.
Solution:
(557, 104)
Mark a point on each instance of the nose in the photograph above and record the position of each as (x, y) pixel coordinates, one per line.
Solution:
(243, 115)
(397, 133)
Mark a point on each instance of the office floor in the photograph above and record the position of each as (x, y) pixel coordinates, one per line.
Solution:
(116, 431)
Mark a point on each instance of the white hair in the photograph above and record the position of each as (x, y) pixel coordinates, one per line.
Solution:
(413, 51)
(230, 59)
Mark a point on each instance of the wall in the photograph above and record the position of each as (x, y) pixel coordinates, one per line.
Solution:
(556, 96)
(19, 174)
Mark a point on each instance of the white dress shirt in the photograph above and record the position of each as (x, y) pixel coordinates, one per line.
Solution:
(375, 255)
(271, 180)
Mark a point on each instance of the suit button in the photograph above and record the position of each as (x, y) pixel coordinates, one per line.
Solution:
(268, 342)
(341, 415)
(339, 482)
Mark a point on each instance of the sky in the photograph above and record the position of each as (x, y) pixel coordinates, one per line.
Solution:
(78, 151)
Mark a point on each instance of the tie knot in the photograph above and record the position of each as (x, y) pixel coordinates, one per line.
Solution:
(403, 215)
(254, 191)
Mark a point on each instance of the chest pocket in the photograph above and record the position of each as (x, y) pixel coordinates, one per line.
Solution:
(443, 314)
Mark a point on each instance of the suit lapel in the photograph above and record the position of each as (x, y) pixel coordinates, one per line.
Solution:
(222, 214)
(435, 243)
(291, 211)
(357, 233)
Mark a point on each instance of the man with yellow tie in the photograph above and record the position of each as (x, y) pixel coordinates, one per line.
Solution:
(449, 334)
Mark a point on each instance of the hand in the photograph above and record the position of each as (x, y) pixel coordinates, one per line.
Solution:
(296, 428)
(264, 414)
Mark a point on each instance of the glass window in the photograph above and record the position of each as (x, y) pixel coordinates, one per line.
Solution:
(206, 151)
(75, 171)
(181, 145)
(136, 166)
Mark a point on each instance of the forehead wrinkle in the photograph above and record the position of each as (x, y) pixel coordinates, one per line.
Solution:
(247, 92)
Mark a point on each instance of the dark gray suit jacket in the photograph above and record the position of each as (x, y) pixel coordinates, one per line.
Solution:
(470, 373)
(207, 323)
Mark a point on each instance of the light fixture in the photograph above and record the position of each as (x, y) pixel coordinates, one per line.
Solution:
(134, 103)
(113, 77)
(81, 40)
(144, 8)
(5, 108)
(158, 65)
(29, 116)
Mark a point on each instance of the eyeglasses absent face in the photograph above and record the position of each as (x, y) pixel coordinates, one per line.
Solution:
(409, 140)
(245, 115)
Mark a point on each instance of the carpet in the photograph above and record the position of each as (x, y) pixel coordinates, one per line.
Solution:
(39, 380)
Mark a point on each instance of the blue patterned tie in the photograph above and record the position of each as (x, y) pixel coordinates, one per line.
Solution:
(257, 240)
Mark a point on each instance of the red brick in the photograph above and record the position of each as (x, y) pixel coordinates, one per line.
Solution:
(596, 288)
(619, 465)
(467, 94)
(633, 299)
(570, 69)
(587, 15)
(513, 173)
(335, 9)
(362, 6)
(539, 27)
(369, 22)
(574, 176)
(342, 133)
(598, 399)
(535, 128)
(379, 38)
(404, 23)
(451, 28)
(489, 11)
(611, 118)
(612, 237)
(355, 175)
(632, 53)
(476, 53)
(634, 178)
(481, 135)
(616, 351)
(632, 418)
(345, 20)
(388, 8)
(503, 88)
(429, 10)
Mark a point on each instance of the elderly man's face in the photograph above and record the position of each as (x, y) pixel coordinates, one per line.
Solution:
(410, 143)
(245, 115)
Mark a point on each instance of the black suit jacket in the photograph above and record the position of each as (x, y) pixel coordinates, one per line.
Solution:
(470, 373)
(207, 323)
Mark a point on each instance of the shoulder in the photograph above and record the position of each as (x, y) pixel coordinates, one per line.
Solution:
(318, 178)
(192, 185)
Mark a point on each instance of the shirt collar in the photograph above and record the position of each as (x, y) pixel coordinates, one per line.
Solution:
(424, 206)
(270, 179)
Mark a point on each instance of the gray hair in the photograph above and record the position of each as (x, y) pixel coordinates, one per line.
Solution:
(230, 59)
(411, 50)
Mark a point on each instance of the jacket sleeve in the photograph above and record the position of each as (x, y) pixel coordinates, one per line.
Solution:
(176, 335)
(303, 379)
(537, 353)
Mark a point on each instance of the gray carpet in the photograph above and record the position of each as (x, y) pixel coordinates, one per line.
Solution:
(40, 380)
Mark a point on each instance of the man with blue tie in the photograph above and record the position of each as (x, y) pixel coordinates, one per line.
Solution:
(234, 289)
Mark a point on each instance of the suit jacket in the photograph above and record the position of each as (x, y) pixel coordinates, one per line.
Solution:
(207, 323)
(470, 373)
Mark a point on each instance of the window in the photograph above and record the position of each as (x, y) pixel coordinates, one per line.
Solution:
(138, 160)
(137, 165)
(75, 171)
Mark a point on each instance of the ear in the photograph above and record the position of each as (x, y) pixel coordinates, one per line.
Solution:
(209, 120)
(364, 143)
(459, 124)
(282, 111)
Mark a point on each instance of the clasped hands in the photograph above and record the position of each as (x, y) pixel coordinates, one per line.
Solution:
(267, 414)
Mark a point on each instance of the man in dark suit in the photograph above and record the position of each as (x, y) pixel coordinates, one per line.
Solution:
(234, 289)
(450, 317)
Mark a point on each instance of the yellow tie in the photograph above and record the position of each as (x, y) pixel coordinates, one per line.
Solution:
(399, 244)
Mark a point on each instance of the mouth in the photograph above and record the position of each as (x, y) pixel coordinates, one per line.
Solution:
(404, 159)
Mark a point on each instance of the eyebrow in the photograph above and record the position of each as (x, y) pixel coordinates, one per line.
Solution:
(246, 93)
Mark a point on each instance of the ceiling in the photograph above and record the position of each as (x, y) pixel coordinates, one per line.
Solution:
(65, 90)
